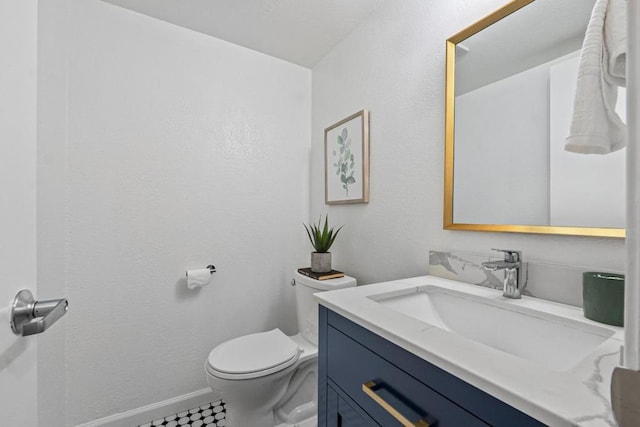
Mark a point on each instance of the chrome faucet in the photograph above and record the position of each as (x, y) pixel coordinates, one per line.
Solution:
(513, 278)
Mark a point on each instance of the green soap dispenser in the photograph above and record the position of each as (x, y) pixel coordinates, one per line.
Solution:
(603, 297)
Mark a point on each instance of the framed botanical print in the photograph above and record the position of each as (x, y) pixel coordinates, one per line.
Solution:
(346, 160)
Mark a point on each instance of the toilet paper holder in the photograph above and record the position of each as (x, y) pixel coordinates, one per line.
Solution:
(211, 267)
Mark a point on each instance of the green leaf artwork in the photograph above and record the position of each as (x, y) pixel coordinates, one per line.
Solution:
(345, 164)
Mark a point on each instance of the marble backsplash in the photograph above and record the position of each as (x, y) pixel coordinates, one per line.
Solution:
(552, 282)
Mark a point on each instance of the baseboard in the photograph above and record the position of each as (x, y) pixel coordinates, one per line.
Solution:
(151, 412)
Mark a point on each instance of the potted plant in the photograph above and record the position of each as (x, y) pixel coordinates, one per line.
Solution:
(321, 237)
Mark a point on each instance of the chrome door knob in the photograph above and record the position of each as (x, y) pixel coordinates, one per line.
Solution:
(30, 317)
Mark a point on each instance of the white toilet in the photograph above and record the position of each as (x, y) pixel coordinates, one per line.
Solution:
(270, 378)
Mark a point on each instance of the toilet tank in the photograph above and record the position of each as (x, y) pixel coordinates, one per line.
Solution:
(307, 308)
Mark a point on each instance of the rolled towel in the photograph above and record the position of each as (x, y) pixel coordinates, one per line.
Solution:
(595, 126)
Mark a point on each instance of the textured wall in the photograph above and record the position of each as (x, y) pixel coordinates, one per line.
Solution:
(52, 159)
(182, 150)
(393, 65)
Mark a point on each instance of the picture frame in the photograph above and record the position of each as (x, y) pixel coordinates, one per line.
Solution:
(346, 160)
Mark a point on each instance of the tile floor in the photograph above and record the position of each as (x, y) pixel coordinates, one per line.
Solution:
(209, 415)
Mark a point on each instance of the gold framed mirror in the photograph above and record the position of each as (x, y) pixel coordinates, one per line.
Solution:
(485, 188)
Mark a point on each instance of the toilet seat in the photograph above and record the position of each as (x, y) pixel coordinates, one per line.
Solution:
(253, 356)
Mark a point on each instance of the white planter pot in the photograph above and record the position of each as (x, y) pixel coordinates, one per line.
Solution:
(321, 262)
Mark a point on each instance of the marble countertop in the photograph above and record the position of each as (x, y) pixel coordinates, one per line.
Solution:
(577, 397)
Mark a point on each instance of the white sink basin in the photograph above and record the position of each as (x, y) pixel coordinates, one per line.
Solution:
(555, 342)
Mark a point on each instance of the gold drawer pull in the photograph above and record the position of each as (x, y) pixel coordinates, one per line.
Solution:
(368, 390)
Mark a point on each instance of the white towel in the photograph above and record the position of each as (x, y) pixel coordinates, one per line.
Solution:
(595, 126)
(615, 41)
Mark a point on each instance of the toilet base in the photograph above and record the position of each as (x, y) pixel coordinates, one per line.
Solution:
(311, 422)
(237, 417)
(300, 403)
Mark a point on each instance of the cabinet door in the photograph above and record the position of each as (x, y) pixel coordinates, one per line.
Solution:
(342, 414)
(383, 390)
(348, 417)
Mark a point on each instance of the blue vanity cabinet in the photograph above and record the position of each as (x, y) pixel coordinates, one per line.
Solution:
(364, 379)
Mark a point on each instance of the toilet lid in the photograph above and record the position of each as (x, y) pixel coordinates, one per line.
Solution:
(253, 355)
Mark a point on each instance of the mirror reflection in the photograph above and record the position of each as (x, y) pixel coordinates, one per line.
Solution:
(515, 84)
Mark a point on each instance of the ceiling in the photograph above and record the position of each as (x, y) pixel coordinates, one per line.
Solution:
(298, 31)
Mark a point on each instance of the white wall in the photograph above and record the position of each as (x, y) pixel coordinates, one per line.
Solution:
(51, 173)
(394, 66)
(501, 170)
(183, 150)
(18, 62)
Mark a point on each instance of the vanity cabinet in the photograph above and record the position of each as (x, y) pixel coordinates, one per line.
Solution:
(365, 380)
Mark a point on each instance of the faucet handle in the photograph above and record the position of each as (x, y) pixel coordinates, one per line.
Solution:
(510, 255)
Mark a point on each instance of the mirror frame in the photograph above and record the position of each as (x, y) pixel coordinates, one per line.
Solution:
(492, 18)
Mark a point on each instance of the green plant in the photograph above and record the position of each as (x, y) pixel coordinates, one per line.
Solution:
(322, 237)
